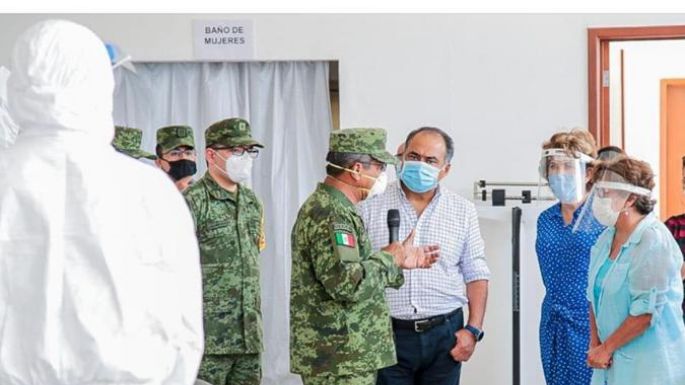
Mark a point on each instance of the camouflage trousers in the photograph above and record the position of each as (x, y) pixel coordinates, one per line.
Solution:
(368, 378)
(231, 369)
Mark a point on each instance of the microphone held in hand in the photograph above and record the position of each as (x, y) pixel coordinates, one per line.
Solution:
(394, 225)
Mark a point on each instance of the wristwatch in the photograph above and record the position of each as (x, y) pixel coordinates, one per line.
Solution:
(479, 334)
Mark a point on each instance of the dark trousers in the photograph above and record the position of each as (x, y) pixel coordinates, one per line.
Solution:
(423, 358)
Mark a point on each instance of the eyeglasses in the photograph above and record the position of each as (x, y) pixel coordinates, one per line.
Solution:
(412, 156)
(380, 165)
(252, 152)
(189, 153)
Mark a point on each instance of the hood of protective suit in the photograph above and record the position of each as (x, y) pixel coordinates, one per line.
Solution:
(100, 279)
(8, 129)
(61, 81)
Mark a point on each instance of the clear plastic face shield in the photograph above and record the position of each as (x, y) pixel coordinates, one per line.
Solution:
(607, 201)
(609, 154)
(566, 174)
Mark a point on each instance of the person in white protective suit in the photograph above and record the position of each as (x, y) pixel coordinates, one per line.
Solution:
(8, 129)
(100, 279)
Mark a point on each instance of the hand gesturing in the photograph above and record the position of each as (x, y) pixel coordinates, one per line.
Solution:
(418, 256)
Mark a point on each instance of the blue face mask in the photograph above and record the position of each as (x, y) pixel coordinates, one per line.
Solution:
(564, 187)
(419, 177)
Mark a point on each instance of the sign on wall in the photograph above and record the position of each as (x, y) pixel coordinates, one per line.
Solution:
(223, 39)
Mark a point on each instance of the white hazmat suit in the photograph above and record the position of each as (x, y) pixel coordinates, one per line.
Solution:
(100, 280)
(8, 129)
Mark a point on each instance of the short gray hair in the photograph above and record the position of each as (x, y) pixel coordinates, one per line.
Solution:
(345, 160)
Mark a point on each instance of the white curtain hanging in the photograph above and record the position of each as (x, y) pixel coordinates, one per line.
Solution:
(288, 107)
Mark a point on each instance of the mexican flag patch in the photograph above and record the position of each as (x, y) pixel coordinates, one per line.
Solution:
(345, 239)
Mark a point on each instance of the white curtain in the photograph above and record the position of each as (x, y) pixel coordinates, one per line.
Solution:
(288, 107)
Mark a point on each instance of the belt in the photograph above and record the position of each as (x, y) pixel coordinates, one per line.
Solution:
(424, 324)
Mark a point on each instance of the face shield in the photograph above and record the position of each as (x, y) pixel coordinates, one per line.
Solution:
(565, 173)
(608, 154)
(607, 201)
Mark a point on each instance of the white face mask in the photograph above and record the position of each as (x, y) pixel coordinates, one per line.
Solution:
(603, 211)
(379, 185)
(238, 168)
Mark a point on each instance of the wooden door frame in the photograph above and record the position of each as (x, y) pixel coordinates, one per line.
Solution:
(663, 123)
(598, 62)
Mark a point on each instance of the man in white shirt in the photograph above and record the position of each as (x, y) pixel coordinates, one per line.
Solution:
(429, 305)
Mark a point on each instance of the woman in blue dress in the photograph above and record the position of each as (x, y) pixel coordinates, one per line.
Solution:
(634, 285)
(564, 257)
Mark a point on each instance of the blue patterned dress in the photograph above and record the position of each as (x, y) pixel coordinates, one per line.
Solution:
(564, 258)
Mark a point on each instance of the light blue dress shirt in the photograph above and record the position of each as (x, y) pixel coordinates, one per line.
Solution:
(644, 279)
(599, 279)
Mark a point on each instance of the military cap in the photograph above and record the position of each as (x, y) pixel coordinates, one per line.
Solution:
(369, 141)
(127, 140)
(171, 137)
(230, 132)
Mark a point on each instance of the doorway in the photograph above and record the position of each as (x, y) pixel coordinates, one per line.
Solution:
(672, 146)
(632, 75)
(599, 40)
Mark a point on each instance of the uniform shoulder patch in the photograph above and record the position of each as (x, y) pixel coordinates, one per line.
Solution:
(340, 226)
(344, 238)
(344, 234)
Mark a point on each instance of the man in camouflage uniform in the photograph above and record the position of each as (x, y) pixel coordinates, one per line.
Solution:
(127, 141)
(229, 222)
(176, 154)
(340, 327)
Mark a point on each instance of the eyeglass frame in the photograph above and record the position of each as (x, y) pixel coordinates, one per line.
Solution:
(251, 151)
(180, 154)
(437, 163)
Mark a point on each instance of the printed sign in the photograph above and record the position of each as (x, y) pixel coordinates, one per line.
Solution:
(223, 39)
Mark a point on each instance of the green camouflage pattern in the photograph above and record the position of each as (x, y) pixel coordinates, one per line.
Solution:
(230, 133)
(231, 369)
(229, 228)
(339, 320)
(127, 140)
(369, 141)
(171, 137)
(367, 378)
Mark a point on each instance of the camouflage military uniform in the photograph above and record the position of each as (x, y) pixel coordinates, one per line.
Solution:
(230, 232)
(127, 140)
(340, 326)
(365, 378)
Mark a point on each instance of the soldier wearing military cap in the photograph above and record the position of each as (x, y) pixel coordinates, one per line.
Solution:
(229, 222)
(176, 154)
(127, 141)
(340, 332)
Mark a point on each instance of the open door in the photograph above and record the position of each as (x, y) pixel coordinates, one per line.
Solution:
(672, 146)
(598, 69)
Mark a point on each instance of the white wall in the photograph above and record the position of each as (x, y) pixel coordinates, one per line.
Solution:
(500, 84)
(646, 64)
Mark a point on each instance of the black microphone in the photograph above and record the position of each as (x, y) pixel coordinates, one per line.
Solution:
(394, 224)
